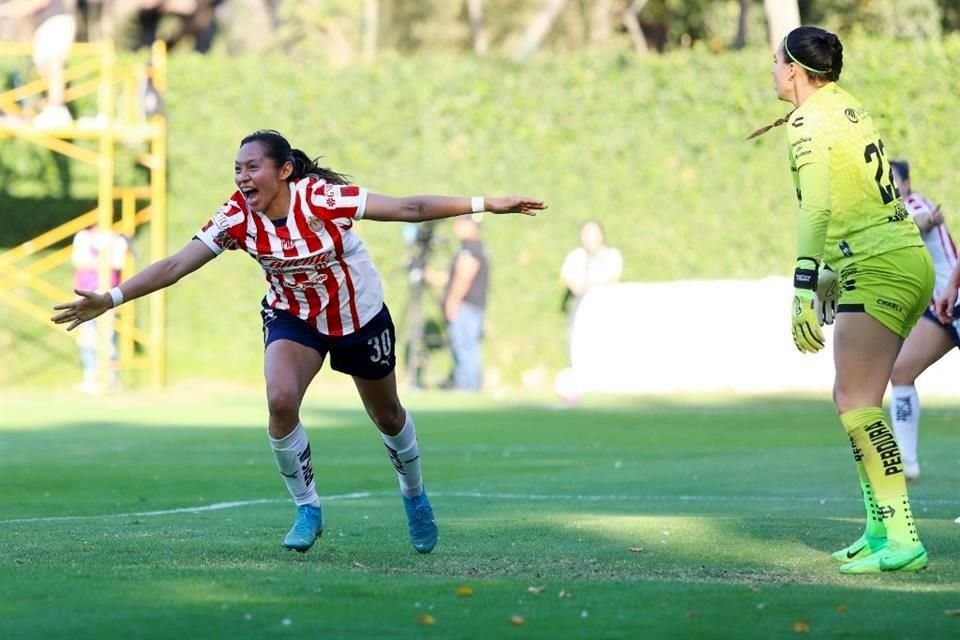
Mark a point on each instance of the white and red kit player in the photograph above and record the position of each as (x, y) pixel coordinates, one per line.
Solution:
(931, 339)
(316, 267)
(323, 297)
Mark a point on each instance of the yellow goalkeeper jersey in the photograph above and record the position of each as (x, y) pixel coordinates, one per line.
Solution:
(849, 206)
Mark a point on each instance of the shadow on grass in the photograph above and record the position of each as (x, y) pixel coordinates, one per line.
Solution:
(520, 491)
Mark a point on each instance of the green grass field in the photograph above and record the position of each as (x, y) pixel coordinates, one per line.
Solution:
(160, 516)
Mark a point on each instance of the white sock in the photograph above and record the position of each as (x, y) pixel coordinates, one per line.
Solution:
(292, 453)
(404, 452)
(905, 418)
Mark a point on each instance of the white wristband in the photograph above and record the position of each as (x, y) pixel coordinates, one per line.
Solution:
(117, 296)
(477, 205)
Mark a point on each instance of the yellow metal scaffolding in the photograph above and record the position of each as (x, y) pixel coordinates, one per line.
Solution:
(93, 68)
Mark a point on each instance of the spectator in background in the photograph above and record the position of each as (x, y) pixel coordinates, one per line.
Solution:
(930, 340)
(464, 305)
(53, 38)
(88, 245)
(591, 264)
(196, 17)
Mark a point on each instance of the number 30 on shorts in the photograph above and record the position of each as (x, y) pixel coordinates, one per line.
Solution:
(381, 346)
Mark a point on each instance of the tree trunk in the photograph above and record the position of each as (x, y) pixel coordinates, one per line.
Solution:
(481, 43)
(371, 26)
(783, 16)
(539, 28)
(600, 27)
(631, 20)
(740, 41)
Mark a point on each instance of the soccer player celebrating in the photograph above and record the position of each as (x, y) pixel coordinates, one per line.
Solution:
(852, 217)
(930, 340)
(323, 297)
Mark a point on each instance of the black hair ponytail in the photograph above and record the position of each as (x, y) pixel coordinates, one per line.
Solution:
(279, 150)
(303, 166)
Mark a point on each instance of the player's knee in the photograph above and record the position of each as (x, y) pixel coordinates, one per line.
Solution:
(850, 399)
(902, 374)
(388, 418)
(283, 404)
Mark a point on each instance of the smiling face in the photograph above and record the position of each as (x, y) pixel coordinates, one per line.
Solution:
(260, 180)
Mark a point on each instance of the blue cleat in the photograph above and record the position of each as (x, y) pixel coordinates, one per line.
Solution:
(306, 528)
(421, 523)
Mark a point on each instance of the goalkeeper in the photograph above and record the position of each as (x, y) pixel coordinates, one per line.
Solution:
(852, 218)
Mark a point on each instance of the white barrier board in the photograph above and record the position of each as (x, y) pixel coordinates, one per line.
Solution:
(706, 335)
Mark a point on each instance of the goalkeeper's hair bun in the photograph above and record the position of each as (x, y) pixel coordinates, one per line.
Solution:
(817, 51)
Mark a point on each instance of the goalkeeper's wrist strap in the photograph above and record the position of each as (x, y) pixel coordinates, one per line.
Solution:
(806, 278)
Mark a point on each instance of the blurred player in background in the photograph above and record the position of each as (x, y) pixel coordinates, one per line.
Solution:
(930, 340)
(88, 247)
(946, 306)
(465, 305)
(324, 296)
(852, 217)
(590, 265)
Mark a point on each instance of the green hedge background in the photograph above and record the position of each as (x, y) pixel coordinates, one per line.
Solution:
(653, 147)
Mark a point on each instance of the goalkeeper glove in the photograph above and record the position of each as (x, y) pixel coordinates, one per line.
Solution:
(828, 292)
(806, 326)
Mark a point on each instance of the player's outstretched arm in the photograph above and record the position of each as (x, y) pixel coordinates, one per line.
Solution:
(159, 275)
(424, 208)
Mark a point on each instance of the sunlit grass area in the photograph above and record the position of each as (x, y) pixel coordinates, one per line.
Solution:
(160, 516)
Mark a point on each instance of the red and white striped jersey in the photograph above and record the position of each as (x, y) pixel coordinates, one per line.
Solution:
(938, 240)
(316, 267)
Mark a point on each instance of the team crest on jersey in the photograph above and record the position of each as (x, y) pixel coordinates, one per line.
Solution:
(315, 223)
(223, 240)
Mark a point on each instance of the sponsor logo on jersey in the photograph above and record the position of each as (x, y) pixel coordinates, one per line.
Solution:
(797, 122)
(854, 115)
(287, 244)
(273, 264)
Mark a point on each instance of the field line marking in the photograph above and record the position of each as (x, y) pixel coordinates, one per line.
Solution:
(216, 506)
(536, 497)
(532, 497)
